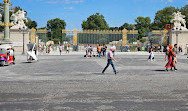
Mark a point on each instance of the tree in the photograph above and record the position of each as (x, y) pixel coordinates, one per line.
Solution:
(95, 22)
(131, 40)
(142, 40)
(127, 26)
(184, 11)
(54, 27)
(143, 25)
(31, 24)
(114, 28)
(163, 17)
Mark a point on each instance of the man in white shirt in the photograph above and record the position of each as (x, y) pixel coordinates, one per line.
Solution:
(114, 49)
(109, 61)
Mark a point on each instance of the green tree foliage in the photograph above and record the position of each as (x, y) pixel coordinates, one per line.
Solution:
(131, 40)
(184, 11)
(114, 28)
(54, 27)
(127, 26)
(31, 24)
(142, 40)
(95, 22)
(163, 17)
(143, 25)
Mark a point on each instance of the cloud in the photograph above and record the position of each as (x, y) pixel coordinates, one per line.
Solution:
(166, 1)
(69, 8)
(63, 1)
(170, 0)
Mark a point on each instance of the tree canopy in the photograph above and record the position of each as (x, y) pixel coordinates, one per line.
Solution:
(163, 17)
(143, 25)
(56, 23)
(127, 26)
(54, 27)
(31, 24)
(184, 11)
(95, 22)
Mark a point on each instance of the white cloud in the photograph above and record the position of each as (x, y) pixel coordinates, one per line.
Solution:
(170, 0)
(63, 1)
(69, 8)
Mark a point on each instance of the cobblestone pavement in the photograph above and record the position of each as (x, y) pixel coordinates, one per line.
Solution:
(75, 83)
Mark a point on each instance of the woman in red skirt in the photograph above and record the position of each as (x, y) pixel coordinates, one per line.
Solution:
(171, 55)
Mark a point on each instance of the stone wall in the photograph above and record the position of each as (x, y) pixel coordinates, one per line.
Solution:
(16, 38)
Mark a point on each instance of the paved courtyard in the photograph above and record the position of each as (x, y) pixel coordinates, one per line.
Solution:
(75, 83)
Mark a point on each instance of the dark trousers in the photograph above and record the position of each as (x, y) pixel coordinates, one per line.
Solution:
(112, 64)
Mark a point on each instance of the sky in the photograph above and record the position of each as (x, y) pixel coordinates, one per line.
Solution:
(116, 12)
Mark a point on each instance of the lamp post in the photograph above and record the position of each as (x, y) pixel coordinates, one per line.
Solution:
(6, 23)
(22, 29)
(133, 32)
(162, 36)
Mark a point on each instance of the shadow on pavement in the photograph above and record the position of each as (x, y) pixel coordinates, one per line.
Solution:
(27, 62)
(160, 70)
(99, 73)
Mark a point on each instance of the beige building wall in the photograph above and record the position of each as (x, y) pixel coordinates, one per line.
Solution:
(16, 38)
(181, 39)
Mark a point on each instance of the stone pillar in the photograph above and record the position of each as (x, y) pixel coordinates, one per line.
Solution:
(75, 37)
(75, 40)
(33, 35)
(165, 38)
(124, 37)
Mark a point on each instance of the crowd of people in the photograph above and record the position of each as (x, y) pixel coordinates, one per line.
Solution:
(170, 53)
(101, 50)
(47, 49)
(64, 48)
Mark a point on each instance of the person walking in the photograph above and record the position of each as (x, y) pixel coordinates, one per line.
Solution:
(86, 48)
(91, 50)
(170, 63)
(105, 48)
(175, 50)
(99, 50)
(67, 49)
(60, 48)
(110, 60)
(114, 49)
(151, 55)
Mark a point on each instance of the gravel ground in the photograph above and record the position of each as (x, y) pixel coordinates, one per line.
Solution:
(74, 83)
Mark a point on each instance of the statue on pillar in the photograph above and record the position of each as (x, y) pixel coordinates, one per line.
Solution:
(18, 19)
(179, 21)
